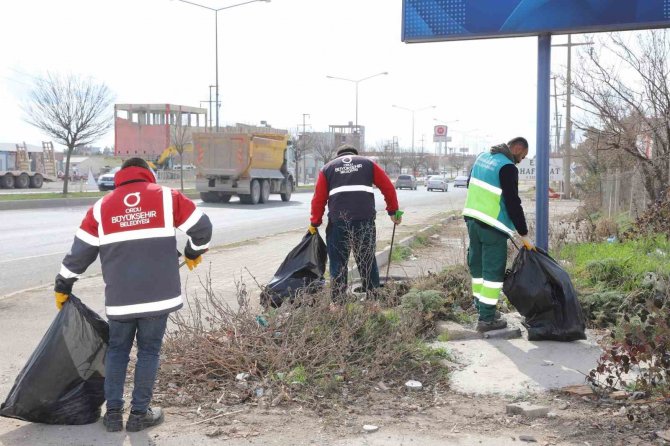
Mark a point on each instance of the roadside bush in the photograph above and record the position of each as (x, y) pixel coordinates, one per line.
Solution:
(454, 282)
(610, 273)
(639, 355)
(655, 220)
(430, 301)
(606, 227)
(602, 308)
(309, 351)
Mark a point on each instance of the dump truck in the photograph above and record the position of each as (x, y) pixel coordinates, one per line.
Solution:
(251, 165)
(24, 175)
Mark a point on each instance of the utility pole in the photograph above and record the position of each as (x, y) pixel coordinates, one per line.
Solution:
(556, 115)
(567, 144)
(210, 106)
(304, 162)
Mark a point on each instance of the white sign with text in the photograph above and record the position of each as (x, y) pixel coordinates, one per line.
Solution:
(527, 169)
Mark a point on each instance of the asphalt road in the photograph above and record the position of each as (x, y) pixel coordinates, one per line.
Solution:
(35, 241)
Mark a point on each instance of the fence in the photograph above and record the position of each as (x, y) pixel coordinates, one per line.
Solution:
(622, 192)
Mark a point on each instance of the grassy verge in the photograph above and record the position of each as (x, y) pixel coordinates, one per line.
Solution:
(59, 195)
(48, 196)
(617, 266)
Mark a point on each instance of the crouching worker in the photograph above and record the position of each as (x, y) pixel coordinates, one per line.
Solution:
(133, 230)
(493, 213)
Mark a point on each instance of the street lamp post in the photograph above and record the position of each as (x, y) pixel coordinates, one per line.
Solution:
(413, 111)
(216, 42)
(357, 81)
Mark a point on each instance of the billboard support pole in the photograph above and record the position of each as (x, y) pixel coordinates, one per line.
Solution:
(543, 123)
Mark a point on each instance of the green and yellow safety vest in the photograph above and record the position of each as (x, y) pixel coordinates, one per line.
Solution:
(485, 201)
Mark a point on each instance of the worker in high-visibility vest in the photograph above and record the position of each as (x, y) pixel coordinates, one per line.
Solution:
(493, 213)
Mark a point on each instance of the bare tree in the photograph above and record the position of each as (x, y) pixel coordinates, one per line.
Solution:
(623, 82)
(73, 111)
(323, 145)
(299, 148)
(386, 154)
(415, 160)
(181, 138)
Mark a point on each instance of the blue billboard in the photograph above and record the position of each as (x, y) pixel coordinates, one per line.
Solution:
(437, 20)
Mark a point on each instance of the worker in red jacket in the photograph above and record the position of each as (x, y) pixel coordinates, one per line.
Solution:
(345, 184)
(133, 231)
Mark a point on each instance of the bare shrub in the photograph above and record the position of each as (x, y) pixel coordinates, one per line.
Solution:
(606, 227)
(299, 350)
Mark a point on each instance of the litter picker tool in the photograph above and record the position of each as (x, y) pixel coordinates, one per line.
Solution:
(398, 214)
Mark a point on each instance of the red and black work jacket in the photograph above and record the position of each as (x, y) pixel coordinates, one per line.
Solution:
(133, 230)
(345, 184)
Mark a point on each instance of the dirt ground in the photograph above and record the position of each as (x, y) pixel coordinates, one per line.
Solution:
(431, 416)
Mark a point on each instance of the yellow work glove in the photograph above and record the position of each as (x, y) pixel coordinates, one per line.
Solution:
(61, 298)
(527, 243)
(312, 229)
(192, 263)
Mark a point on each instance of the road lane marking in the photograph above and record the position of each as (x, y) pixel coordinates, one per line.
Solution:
(32, 257)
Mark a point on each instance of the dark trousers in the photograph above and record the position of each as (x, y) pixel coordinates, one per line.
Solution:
(149, 333)
(341, 238)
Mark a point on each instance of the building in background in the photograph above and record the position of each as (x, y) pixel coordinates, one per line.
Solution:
(146, 130)
(349, 134)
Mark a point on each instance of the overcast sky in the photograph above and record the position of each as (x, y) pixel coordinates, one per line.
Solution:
(274, 59)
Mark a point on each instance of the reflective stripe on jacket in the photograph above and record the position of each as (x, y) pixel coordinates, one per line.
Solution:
(133, 231)
(485, 201)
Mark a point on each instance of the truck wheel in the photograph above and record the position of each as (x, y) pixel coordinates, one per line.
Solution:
(22, 181)
(265, 191)
(224, 198)
(289, 188)
(36, 181)
(7, 181)
(209, 197)
(255, 194)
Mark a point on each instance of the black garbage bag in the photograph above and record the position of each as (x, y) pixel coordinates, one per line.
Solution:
(63, 380)
(301, 272)
(542, 292)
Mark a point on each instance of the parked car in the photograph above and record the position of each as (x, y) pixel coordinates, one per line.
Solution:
(106, 181)
(435, 182)
(461, 181)
(406, 182)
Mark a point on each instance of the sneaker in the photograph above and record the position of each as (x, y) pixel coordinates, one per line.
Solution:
(139, 421)
(113, 420)
(495, 324)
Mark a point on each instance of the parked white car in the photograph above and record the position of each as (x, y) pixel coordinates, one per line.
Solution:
(437, 182)
(461, 181)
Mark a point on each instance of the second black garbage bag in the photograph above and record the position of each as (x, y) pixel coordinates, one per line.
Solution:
(63, 380)
(543, 293)
(301, 272)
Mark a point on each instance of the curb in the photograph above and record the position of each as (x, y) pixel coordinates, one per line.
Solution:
(46, 203)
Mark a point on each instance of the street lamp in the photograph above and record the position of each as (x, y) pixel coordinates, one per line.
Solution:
(413, 111)
(216, 42)
(357, 81)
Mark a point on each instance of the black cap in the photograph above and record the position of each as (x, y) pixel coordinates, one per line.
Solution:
(346, 149)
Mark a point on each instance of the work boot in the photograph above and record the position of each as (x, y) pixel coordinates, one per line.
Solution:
(495, 324)
(113, 420)
(476, 304)
(139, 421)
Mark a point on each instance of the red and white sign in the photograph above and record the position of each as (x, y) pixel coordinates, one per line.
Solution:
(440, 133)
